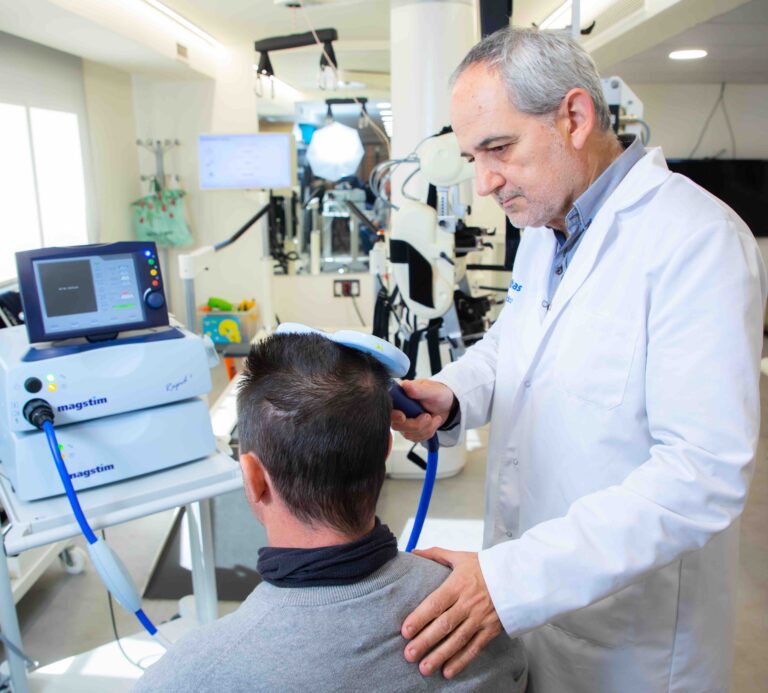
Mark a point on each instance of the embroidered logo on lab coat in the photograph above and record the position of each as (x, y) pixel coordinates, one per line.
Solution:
(513, 286)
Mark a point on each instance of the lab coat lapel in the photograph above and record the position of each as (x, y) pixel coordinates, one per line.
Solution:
(538, 278)
(645, 176)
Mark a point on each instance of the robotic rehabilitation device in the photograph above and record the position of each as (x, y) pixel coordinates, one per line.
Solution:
(397, 365)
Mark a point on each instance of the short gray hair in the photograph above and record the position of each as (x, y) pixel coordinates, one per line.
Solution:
(539, 68)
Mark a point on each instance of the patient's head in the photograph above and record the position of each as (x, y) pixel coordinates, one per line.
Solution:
(313, 418)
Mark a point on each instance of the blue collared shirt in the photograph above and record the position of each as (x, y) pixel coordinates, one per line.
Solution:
(584, 210)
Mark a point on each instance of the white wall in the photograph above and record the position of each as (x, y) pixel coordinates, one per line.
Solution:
(677, 112)
(112, 135)
(183, 110)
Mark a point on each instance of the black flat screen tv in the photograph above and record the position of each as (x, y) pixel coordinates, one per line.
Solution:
(741, 183)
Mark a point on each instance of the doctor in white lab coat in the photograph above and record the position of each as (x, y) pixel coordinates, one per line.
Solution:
(621, 385)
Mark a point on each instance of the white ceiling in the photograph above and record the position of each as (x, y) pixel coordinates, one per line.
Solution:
(737, 46)
(737, 41)
(238, 21)
(362, 26)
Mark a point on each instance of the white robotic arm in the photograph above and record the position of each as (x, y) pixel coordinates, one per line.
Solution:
(422, 244)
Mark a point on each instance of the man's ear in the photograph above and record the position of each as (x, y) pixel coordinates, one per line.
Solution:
(256, 480)
(577, 114)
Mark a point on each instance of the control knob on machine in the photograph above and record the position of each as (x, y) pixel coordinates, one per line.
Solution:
(154, 299)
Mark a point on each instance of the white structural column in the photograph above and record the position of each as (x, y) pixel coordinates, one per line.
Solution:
(428, 39)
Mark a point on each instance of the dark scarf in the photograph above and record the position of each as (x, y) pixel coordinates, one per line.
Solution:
(343, 564)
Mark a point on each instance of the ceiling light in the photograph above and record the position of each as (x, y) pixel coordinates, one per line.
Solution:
(386, 111)
(335, 151)
(265, 65)
(692, 54)
(328, 62)
(350, 85)
(183, 21)
(383, 104)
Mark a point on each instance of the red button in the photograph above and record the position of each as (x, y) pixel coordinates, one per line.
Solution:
(155, 282)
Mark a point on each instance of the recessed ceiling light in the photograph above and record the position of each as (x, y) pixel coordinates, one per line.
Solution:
(383, 104)
(693, 54)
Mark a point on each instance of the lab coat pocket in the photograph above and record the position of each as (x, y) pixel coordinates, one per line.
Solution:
(610, 623)
(595, 358)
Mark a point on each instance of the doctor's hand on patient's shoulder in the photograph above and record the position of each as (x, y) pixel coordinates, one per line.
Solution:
(435, 397)
(454, 623)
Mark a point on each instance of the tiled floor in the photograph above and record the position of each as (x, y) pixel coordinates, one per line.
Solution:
(64, 614)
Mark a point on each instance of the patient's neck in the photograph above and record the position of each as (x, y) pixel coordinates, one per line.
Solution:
(286, 531)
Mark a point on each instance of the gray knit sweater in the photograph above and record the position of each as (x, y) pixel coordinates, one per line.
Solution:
(344, 638)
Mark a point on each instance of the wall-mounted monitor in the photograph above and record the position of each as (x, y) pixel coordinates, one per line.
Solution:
(246, 162)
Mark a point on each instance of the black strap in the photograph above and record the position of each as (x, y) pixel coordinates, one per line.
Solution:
(418, 461)
(433, 345)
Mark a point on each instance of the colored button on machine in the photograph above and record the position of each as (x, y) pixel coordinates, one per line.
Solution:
(151, 262)
(155, 282)
(52, 387)
(153, 272)
(33, 385)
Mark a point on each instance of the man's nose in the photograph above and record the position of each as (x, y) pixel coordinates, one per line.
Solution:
(487, 180)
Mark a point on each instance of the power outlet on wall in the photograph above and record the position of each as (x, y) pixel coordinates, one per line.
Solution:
(346, 287)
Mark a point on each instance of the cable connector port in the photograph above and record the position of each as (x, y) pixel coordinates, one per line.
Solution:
(37, 412)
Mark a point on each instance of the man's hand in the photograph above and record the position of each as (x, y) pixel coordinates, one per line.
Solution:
(454, 623)
(435, 397)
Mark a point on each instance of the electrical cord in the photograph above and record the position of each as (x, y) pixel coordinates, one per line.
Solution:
(406, 181)
(111, 570)
(728, 123)
(426, 494)
(379, 132)
(357, 310)
(114, 623)
(720, 100)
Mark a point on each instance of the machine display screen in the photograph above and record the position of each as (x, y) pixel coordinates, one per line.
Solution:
(81, 294)
(232, 162)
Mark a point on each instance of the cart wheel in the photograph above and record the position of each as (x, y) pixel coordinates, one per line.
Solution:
(73, 560)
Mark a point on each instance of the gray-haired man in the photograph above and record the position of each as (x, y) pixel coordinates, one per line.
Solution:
(621, 384)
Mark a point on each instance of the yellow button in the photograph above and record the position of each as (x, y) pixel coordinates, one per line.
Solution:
(52, 387)
(153, 272)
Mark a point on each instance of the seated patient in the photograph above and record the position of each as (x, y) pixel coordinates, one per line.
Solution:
(314, 432)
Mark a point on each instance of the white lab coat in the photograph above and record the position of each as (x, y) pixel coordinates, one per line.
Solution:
(624, 424)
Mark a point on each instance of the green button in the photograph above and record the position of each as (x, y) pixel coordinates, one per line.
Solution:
(151, 262)
(61, 447)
